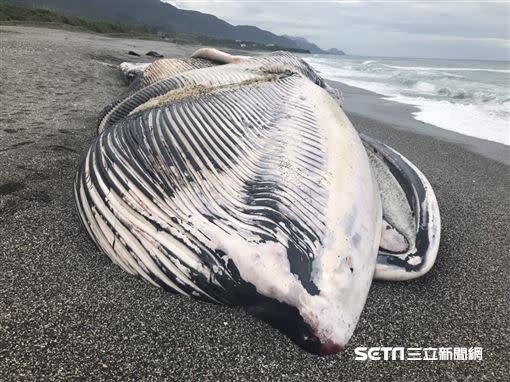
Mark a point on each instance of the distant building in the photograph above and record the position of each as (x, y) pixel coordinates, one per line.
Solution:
(243, 45)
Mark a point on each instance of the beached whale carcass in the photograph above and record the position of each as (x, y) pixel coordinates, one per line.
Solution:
(242, 182)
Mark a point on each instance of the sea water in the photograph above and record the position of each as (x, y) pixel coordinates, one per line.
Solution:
(466, 96)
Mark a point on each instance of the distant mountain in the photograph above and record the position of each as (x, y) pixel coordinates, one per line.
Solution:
(305, 44)
(336, 51)
(166, 18)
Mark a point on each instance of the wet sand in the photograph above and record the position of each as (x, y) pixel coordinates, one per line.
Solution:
(66, 312)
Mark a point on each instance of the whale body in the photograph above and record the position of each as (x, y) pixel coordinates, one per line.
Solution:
(240, 181)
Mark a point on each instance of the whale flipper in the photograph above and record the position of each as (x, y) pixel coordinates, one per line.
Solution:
(412, 224)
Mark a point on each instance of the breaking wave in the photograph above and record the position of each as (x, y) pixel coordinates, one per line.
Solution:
(469, 97)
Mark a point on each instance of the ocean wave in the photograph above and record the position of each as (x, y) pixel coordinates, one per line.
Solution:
(424, 87)
(432, 68)
(488, 122)
(477, 114)
(485, 122)
(436, 84)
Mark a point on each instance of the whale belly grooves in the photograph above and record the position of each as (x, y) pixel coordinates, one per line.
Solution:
(210, 77)
(141, 75)
(243, 182)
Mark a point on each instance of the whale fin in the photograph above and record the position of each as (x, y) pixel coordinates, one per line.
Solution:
(411, 221)
(218, 56)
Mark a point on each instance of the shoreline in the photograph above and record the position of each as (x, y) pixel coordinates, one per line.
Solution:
(365, 103)
(68, 312)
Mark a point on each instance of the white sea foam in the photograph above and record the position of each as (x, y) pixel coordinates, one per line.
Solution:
(485, 122)
(446, 68)
(474, 101)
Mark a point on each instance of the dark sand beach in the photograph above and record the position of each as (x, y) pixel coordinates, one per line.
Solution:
(68, 313)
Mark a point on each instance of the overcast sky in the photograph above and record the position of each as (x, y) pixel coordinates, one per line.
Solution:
(438, 29)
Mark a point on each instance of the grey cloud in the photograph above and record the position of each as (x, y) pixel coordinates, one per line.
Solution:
(413, 28)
